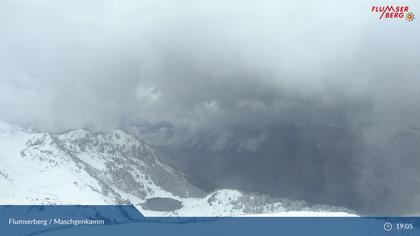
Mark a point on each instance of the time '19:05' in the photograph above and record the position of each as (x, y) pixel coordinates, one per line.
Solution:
(404, 226)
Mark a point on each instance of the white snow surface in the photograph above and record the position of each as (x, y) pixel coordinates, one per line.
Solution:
(84, 168)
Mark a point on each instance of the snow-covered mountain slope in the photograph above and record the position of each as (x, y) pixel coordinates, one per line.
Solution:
(81, 167)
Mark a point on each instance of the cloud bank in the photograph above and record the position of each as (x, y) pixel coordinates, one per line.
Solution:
(67, 64)
(208, 65)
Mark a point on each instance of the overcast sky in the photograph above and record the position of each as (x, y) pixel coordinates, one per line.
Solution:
(66, 64)
(235, 68)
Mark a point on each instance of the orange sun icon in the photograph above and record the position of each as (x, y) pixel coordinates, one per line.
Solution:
(409, 16)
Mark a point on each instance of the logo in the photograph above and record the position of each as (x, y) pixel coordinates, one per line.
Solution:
(410, 16)
(393, 12)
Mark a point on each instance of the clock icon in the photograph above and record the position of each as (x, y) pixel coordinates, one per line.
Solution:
(387, 226)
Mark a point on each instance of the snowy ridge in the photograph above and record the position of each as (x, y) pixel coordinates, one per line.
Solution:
(228, 202)
(81, 167)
